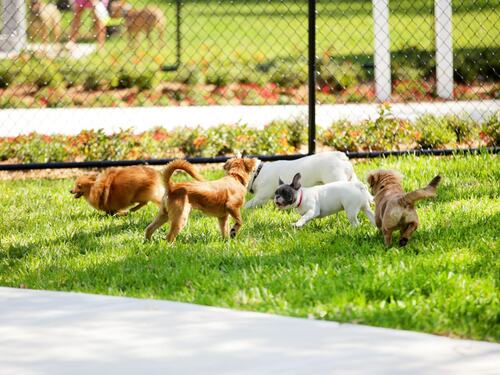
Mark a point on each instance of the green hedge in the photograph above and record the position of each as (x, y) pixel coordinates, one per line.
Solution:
(279, 137)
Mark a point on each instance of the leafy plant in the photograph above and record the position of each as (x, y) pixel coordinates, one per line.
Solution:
(188, 74)
(433, 132)
(219, 77)
(490, 130)
(145, 80)
(289, 74)
(464, 127)
(123, 80)
(91, 82)
(43, 75)
(339, 76)
(6, 78)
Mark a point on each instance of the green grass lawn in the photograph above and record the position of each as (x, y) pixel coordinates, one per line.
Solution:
(220, 33)
(214, 29)
(444, 282)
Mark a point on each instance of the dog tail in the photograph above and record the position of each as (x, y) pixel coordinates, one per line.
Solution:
(427, 192)
(179, 165)
(364, 190)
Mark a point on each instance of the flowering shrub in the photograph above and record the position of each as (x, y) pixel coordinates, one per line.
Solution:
(388, 133)
(490, 130)
(278, 137)
(433, 132)
(385, 133)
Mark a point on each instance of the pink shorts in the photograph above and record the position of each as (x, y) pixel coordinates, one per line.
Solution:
(88, 4)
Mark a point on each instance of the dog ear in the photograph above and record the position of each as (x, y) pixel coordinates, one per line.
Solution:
(371, 179)
(227, 165)
(280, 181)
(92, 176)
(296, 181)
(249, 164)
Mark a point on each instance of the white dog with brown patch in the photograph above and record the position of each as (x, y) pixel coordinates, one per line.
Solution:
(315, 169)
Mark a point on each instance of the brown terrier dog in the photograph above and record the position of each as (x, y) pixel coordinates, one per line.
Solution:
(44, 19)
(143, 20)
(116, 189)
(395, 209)
(219, 198)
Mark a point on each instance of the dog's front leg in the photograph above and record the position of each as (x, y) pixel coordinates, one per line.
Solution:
(223, 226)
(309, 215)
(161, 219)
(254, 202)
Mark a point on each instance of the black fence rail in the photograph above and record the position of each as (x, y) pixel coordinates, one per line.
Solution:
(82, 82)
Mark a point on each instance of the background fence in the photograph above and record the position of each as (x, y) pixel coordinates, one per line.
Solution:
(208, 78)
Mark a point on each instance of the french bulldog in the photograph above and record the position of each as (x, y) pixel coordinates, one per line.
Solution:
(324, 200)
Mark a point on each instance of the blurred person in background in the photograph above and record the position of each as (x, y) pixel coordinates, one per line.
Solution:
(99, 14)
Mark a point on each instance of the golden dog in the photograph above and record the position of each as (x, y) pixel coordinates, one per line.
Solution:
(143, 20)
(44, 19)
(116, 189)
(221, 198)
(395, 209)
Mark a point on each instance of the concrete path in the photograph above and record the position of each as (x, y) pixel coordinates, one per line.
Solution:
(55, 333)
(73, 120)
(53, 50)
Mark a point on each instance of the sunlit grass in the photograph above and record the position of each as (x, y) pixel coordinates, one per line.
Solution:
(445, 281)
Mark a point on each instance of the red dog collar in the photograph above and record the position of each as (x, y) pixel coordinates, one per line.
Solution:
(300, 199)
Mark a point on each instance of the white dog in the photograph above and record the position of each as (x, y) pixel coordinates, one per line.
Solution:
(324, 200)
(315, 169)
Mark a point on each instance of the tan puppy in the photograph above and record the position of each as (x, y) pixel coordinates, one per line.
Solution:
(116, 189)
(44, 19)
(143, 20)
(395, 209)
(221, 198)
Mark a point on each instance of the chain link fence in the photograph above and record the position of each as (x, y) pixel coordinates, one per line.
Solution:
(90, 81)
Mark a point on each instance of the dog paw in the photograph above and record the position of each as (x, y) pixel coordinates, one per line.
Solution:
(403, 241)
(297, 225)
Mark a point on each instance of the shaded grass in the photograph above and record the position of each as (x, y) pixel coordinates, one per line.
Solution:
(444, 282)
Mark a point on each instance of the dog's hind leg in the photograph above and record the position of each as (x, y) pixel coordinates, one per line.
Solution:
(139, 206)
(179, 212)
(56, 33)
(387, 236)
(405, 233)
(238, 221)
(161, 219)
(369, 214)
(352, 215)
(223, 225)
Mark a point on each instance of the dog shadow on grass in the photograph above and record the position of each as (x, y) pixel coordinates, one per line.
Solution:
(83, 240)
(199, 265)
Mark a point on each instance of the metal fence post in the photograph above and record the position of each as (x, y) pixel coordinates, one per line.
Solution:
(382, 54)
(13, 32)
(312, 76)
(444, 48)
